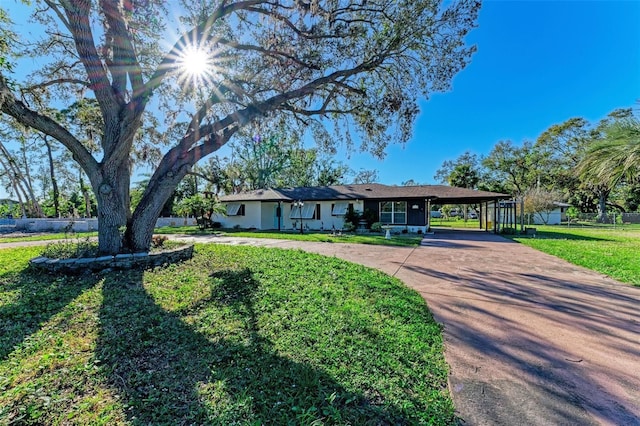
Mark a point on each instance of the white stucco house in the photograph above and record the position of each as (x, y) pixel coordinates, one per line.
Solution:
(324, 208)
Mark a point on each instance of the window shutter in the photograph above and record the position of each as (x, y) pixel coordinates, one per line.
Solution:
(232, 209)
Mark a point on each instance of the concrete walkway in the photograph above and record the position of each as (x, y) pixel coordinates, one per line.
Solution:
(530, 339)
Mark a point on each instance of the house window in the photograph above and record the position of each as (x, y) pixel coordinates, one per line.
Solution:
(339, 209)
(393, 212)
(309, 211)
(235, 209)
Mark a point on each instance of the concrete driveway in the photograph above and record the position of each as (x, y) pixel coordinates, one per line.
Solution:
(530, 339)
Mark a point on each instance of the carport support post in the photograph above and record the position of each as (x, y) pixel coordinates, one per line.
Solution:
(522, 215)
(428, 212)
(486, 216)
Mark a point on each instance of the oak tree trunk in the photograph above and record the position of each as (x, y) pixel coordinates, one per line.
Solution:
(140, 226)
(112, 196)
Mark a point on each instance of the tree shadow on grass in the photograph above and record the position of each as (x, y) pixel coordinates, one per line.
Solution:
(40, 296)
(168, 372)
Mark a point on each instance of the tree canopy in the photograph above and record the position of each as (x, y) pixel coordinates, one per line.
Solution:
(271, 158)
(516, 168)
(462, 172)
(583, 163)
(360, 66)
(616, 156)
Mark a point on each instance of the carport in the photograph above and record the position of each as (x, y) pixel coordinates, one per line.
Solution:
(489, 203)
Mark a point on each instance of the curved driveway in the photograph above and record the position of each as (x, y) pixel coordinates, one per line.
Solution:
(530, 339)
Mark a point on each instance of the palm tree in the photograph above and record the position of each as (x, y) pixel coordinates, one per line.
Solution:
(616, 156)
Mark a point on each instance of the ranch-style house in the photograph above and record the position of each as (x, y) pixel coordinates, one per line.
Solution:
(324, 207)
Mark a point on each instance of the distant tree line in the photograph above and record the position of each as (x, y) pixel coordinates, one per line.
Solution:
(593, 166)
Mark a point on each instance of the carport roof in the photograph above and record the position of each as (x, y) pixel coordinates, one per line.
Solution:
(440, 194)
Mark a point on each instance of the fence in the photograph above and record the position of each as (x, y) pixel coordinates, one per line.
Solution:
(7, 225)
(630, 217)
(610, 219)
(76, 225)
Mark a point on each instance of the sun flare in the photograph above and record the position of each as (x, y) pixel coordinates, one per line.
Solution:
(196, 67)
(195, 62)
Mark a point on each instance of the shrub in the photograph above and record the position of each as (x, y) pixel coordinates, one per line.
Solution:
(68, 249)
(376, 227)
(348, 227)
(618, 219)
(158, 241)
(371, 217)
(352, 217)
(216, 225)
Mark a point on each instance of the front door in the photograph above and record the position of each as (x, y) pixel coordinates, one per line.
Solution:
(275, 216)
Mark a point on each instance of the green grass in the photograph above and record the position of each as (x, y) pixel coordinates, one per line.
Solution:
(455, 223)
(613, 252)
(403, 240)
(237, 335)
(47, 237)
(185, 230)
(375, 239)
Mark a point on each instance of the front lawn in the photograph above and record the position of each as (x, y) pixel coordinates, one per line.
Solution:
(455, 222)
(403, 240)
(365, 238)
(613, 252)
(45, 236)
(237, 335)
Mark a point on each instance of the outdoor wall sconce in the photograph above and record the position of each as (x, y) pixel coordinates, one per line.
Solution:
(415, 207)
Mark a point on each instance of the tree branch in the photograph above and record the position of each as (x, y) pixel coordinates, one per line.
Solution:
(202, 176)
(56, 81)
(80, 27)
(240, 117)
(200, 31)
(56, 10)
(304, 34)
(15, 108)
(267, 52)
(125, 61)
(320, 111)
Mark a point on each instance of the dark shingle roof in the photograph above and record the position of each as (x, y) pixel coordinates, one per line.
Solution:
(257, 195)
(437, 193)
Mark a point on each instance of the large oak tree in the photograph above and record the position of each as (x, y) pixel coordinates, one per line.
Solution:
(359, 65)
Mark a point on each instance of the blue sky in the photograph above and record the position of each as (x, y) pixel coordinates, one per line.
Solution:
(538, 63)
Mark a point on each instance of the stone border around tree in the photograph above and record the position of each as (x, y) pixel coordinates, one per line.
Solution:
(119, 261)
